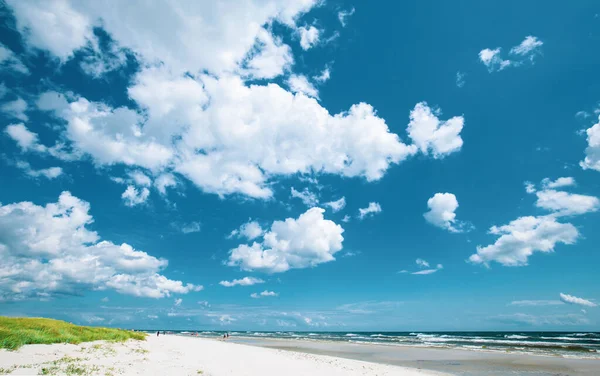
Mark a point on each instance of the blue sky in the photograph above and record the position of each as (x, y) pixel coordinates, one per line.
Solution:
(301, 165)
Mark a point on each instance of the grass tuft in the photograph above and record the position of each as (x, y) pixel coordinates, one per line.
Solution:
(16, 332)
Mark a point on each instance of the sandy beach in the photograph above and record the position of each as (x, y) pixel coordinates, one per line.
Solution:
(176, 355)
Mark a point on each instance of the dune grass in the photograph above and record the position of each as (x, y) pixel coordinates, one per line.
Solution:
(16, 332)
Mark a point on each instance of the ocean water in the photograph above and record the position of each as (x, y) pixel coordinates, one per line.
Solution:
(572, 345)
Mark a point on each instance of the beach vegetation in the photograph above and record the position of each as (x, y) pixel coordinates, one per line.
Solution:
(6, 371)
(16, 332)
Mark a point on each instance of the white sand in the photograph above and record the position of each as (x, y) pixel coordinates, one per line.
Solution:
(174, 355)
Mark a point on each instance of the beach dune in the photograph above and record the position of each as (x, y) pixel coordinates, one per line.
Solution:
(176, 355)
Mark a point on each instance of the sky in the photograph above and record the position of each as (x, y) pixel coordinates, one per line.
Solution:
(301, 165)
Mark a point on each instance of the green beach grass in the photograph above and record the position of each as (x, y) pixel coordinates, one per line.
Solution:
(16, 332)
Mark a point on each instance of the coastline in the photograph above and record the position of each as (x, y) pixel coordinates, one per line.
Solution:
(178, 355)
(453, 361)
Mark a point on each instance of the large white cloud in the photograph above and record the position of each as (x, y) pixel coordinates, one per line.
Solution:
(48, 250)
(442, 207)
(191, 36)
(217, 147)
(198, 117)
(298, 243)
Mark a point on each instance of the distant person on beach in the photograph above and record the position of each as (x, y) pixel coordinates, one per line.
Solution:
(157, 333)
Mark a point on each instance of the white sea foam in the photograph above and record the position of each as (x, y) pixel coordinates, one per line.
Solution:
(516, 336)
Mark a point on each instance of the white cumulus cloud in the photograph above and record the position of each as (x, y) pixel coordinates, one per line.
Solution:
(558, 183)
(442, 207)
(221, 153)
(48, 173)
(16, 109)
(48, 250)
(307, 197)
(246, 281)
(566, 204)
(528, 234)
(23, 136)
(299, 84)
(336, 205)
(522, 237)
(370, 210)
(201, 36)
(198, 114)
(133, 196)
(309, 36)
(432, 135)
(592, 152)
(298, 243)
(249, 230)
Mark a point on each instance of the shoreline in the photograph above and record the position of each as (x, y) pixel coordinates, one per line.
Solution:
(454, 361)
(549, 344)
(489, 350)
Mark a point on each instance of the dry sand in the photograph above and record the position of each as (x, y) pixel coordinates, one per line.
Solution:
(176, 355)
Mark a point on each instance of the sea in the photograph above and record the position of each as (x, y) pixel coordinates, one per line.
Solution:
(566, 344)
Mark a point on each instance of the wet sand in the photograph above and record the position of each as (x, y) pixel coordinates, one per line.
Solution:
(457, 362)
